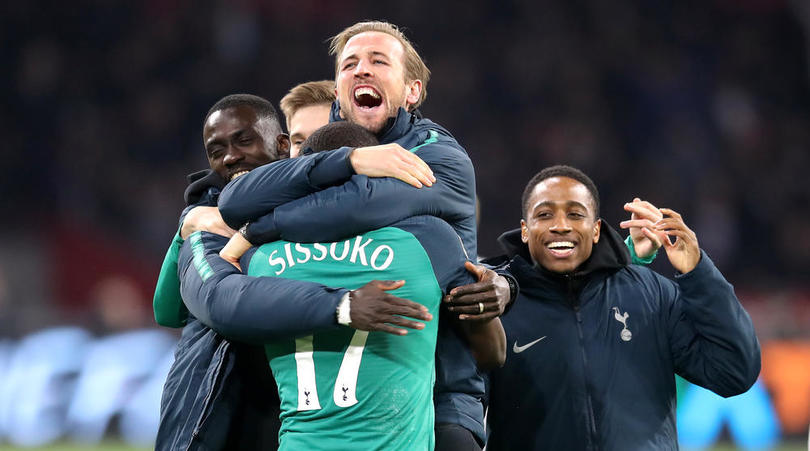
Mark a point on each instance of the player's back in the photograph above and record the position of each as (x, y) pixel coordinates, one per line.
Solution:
(350, 389)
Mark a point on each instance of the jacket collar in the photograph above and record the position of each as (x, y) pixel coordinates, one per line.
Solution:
(609, 254)
(395, 128)
(200, 182)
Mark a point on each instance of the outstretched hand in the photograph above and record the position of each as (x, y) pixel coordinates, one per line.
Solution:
(480, 301)
(391, 160)
(684, 252)
(373, 309)
(643, 216)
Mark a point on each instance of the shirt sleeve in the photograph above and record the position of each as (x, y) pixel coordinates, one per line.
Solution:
(166, 302)
(247, 308)
(266, 187)
(364, 203)
(712, 338)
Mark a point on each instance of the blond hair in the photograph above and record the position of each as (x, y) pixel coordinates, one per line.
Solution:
(307, 94)
(415, 68)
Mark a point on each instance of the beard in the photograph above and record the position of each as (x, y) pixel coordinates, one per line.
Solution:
(373, 124)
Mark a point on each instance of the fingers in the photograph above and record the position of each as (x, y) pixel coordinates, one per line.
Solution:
(391, 160)
(411, 169)
(403, 322)
(387, 285)
(643, 210)
(637, 223)
(475, 308)
(406, 308)
(652, 236)
(390, 329)
(476, 270)
(471, 294)
(486, 316)
(672, 225)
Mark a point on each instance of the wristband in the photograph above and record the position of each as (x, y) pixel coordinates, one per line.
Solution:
(343, 312)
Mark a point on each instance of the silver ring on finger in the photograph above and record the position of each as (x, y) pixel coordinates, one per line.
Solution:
(480, 308)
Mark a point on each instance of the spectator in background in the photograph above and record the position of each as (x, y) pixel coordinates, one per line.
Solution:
(596, 341)
(306, 108)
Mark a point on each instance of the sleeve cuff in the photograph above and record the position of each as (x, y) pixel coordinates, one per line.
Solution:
(635, 259)
(332, 168)
(262, 230)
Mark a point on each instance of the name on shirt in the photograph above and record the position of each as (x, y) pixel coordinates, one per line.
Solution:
(355, 250)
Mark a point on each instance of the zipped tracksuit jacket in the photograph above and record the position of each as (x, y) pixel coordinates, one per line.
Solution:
(592, 356)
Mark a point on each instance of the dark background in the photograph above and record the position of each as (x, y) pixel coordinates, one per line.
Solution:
(700, 106)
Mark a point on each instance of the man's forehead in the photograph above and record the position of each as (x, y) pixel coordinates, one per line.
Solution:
(372, 42)
(230, 116)
(561, 190)
(309, 116)
(229, 121)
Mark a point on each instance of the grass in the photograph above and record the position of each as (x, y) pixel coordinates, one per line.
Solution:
(117, 446)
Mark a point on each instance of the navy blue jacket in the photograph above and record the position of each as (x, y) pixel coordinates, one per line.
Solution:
(364, 204)
(217, 394)
(592, 355)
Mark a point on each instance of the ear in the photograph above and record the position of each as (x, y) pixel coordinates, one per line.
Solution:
(283, 145)
(524, 232)
(414, 88)
(597, 230)
(337, 100)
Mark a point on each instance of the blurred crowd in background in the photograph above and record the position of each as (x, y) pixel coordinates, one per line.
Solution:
(700, 106)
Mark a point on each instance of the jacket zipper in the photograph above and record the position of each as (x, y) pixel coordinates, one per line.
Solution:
(208, 396)
(588, 398)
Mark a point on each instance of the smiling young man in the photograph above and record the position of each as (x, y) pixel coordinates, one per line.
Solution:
(595, 341)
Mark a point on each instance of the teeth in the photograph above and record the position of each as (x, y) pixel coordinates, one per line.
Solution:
(365, 91)
(239, 174)
(560, 244)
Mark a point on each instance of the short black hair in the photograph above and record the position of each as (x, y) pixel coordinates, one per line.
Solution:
(560, 171)
(263, 108)
(338, 134)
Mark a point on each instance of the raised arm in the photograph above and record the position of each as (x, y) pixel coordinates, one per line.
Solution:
(364, 203)
(713, 342)
(266, 187)
(260, 191)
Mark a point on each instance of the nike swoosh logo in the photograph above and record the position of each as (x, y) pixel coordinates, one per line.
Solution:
(518, 349)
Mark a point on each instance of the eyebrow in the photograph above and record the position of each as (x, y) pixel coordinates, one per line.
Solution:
(548, 203)
(218, 139)
(354, 56)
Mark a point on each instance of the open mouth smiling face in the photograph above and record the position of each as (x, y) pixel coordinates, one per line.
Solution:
(367, 97)
(561, 226)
